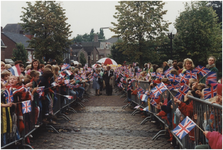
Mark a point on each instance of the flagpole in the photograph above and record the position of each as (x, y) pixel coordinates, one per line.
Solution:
(204, 76)
(199, 128)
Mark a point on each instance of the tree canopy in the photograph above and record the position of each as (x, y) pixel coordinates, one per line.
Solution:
(89, 37)
(46, 20)
(200, 36)
(140, 24)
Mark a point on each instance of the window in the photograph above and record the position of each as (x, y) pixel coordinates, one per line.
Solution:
(92, 58)
(96, 56)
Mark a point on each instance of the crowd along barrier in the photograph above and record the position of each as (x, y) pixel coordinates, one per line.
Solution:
(21, 129)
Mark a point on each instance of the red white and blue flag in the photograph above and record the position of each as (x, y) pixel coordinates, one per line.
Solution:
(184, 78)
(137, 74)
(65, 66)
(170, 87)
(26, 107)
(62, 75)
(40, 90)
(9, 95)
(159, 76)
(184, 127)
(54, 84)
(120, 84)
(68, 72)
(153, 74)
(146, 109)
(211, 78)
(167, 72)
(77, 77)
(15, 70)
(66, 81)
(173, 78)
(152, 102)
(68, 96)
(210, 92)
(201, 70)
(191, 74)
(159, 89)
(144, 98)
(19, 90)
(182, 91)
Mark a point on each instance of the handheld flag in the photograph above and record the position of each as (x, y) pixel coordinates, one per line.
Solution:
(68, 72)
(184, 78)
(66, 81)
(26, 107)
(68, 96)
(184, 127)
(174, 78)
(182, 91)
(191, 74)
(210, 92)
(201, 70)
(15, 70)
(40, 90)
(211, 78)
(9, 95)
(157, 90)
(65, 66)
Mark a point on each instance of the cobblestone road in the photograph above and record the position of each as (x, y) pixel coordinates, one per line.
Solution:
(101, 124)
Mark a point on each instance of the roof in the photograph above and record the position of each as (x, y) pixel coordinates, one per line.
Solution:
(17, 38)
(94, 44)
(89, 49)
(113, 40)
(2, 43)
(15, 28)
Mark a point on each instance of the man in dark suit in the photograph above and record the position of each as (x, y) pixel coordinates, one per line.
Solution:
(107, 75)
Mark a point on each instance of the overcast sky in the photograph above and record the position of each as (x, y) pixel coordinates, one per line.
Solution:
(85, 15)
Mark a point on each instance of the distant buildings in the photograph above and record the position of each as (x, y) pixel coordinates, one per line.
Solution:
(93, 51)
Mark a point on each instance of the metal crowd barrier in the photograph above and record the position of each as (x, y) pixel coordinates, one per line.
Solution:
(15, 137)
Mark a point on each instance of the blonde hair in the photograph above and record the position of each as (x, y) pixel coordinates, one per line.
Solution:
(7, 66)
(28, 67)
(2, 63)
(190, 60)
(158, 69)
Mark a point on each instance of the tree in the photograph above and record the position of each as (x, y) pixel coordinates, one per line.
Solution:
(200, 36)
(101, 34)
(217, 6)
(117, 55)
(20, 53)
(46, 20)
(140, 24)
(82, 59)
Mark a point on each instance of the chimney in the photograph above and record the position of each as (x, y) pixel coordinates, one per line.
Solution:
(21, 32)
(95, 38)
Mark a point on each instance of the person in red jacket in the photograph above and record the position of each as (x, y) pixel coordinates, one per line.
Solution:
(214, 139)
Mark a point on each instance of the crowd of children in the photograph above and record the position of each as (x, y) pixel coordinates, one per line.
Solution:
(42, 84)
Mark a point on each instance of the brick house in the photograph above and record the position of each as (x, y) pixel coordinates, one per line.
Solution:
(3, 47)
(10, 38)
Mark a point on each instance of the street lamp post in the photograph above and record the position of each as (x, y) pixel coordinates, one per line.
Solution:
(171, 36)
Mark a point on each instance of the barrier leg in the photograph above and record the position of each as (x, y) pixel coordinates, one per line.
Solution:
(123, 107)
(126, 100)
(158, 134)
(27, 146)
(50, 126)
(71, 109)
(135, 112)
(65, 117)
(145, 120)
(123, 95)
(81, 104)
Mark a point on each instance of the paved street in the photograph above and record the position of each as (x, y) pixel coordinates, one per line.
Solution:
(101, 124)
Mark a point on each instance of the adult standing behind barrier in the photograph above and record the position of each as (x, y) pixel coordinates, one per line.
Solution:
(211, 66)
(96, 86)
(188, 65)
(107, 75)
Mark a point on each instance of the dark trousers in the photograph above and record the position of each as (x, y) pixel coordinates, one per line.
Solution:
(108, 88)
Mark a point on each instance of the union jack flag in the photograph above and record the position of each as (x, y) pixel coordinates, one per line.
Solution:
(54, 84)
(40, 90)
(137, 75)
(19, 90)
(210, 92)
(140, 90)
(177, 86)
(120, 84)
(131, 74)
(167, 71)
(184, 127)
(174, 78)
(68, 72)
(159, 76)
(191, 74)
(62, 75)
(153, 74)
(68, 96)
(211, 78)
(83, 76)
(122, 79)
(139, 70)
(65, 66)
(26, 107)
(66, 81)
(146, 109)
(182, 91)
(201, 70)
(170, 87)
(129, 87)
(184, 78)
(9, 95)
(59, 78)
(157, 90)
(77, 77)
(152, 102)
